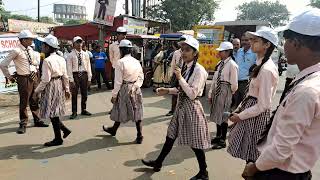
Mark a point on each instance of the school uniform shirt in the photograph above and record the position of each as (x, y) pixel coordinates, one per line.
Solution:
(114, 53)
(128, 69)
(263, 87)
(229, 74)
(53, 66)
(73, 64)
(194, 87)
(99, 59)
(293, 142)
(245, 60)
(176, 58)
(20, 59)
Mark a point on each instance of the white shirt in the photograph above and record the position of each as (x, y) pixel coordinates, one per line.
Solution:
(194, 87)
(128, 69)
(293, 142)
(263, 87)
(292, 71)
(53, 66)
(114, 53)
(73, 64)
(229, 74)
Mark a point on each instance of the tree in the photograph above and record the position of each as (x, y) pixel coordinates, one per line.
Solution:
(315, 3)
(274, 12)
(21, 17)
(183, 14)
(75, 22)
(46, 19)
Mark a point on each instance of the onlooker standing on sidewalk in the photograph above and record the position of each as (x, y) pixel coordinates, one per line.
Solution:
(27, 79)
(292, 148)
(245, 59)
(114, 51)
(100, 59)
(79, 72)
(236, 46)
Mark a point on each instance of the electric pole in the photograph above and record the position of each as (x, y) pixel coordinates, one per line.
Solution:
(38, 10)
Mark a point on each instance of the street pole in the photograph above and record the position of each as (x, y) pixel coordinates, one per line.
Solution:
(127, 7)
(144, 8)
(38, 10)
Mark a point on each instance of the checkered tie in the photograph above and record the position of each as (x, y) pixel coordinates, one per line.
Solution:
(218, 88)
(79, 64)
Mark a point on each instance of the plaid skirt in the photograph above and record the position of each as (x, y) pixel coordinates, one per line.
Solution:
(128, 105)
(221, 104)
(52, 101)
(244, 136)
(189, 124)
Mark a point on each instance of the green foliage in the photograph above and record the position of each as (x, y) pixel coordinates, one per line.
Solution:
(315, 3)
(75, 22)
(46, 19)
(183, 14)
(274, 12)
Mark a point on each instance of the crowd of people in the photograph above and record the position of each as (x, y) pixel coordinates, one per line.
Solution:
(279, 145)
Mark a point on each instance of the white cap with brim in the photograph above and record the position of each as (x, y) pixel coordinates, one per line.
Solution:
(77, 38)
(121, 30)
(191, 41)
(225, 46)
(306, 23)
(52, 41)
(267, 33)
(24, 34)
(125, 43)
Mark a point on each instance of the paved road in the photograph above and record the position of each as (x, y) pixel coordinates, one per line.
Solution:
(90, 154)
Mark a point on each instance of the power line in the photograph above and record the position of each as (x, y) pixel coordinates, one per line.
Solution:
(36, 7)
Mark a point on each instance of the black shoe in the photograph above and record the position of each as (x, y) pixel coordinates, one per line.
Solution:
(55, 142)
(156, 167)
(40, 124)
(85, 113)
(215, 140)
(139, 139)
(220, 145)
(21, 129)
(73, 116)
(66, 133)
(201, 176)
(109, 130)
(170, 113)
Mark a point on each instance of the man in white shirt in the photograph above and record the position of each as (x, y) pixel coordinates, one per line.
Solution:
(292, 145)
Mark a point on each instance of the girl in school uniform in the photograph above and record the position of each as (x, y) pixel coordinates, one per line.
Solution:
(224, 84)
(189, 125)
(54, 89)
(127, 95)
(253, 113)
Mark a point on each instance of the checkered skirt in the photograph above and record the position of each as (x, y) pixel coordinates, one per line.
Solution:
(52, 101)
(244, 136)
(221, 104)
(128, 106)
(189, 124)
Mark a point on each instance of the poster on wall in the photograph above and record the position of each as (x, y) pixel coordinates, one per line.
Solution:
(135, 26)
(7, 43)
(104, 12)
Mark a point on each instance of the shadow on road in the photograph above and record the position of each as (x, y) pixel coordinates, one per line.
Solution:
(31, 151)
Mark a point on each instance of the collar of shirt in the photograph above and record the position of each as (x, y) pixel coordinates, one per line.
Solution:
(259, 61)
(306, 71)
(76, 51)
(24, 48)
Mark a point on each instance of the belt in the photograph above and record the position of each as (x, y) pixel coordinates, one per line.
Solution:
(83, 72)
(243, 81)
(55, 78)
(127, 82)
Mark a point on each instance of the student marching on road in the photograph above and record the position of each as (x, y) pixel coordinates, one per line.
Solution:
(27, 79)
(189, 125)
(224, 85)
(291, 148)
(54, 89)
(253, 113)
(127, 95)
(79, 72)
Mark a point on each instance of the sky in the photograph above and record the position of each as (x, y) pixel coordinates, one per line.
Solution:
(226, 11)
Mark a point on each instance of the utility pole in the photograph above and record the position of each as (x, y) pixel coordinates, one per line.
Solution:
(144, 8)
(38, 10)
(127, 7)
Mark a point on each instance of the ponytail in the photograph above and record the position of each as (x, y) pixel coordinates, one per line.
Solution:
(256, 69)
(193, 66)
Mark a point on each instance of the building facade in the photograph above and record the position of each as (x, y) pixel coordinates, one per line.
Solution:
(65, 12)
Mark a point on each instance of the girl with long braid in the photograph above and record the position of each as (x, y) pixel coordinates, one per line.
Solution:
(189, 125)
(253, 114)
